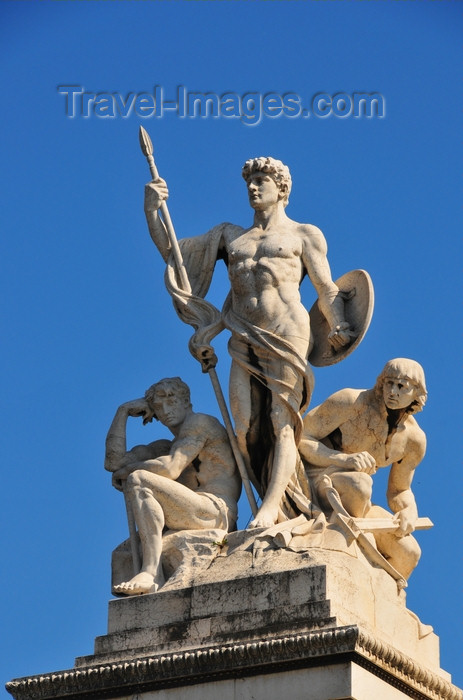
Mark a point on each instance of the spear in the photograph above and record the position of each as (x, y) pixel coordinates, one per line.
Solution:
(147, 149)
(136, 563)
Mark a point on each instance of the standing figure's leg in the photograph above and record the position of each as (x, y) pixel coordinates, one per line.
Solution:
(282, 467)
(280, 420)
(242, 408)
(282, 425)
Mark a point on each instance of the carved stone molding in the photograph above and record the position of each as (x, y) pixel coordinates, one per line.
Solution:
(215, 663)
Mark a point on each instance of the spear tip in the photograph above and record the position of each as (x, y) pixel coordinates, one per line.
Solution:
(145, 142)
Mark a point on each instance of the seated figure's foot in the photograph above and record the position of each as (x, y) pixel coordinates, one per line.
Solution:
(141, 583)
(266, 517)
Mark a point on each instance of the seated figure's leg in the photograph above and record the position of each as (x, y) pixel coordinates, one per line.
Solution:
(403, 553)
(354, 490)
(158, 501)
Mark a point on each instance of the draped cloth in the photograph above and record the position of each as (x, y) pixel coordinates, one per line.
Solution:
(199, 257)
(255, 350)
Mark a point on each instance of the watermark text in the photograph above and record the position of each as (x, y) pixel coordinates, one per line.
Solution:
(250, 107)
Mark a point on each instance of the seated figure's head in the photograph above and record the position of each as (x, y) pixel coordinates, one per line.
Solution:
(405, 378)
(169, 400)
(278, 171)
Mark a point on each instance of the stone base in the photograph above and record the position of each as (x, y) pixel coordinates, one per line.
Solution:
(260, 623)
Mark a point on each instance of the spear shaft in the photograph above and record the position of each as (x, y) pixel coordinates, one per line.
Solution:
(147, 149)
(136, 563)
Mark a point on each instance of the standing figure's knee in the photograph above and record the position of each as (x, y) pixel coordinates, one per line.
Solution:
(281, 422)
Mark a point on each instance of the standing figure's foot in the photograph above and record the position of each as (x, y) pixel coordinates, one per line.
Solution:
(141, 583)
(266, 517)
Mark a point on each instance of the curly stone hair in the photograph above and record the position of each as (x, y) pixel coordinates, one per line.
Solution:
(175, 384)
(278, 171)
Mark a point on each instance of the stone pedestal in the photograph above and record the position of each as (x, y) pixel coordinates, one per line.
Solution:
(261, 624)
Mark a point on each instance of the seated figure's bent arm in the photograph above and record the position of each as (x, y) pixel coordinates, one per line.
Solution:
(167, 466)
(401, 500)
(319, 455)
(320, 422)
(170, 466)
(400, 497)
(184, 449)
(403, 504)
(116, 441)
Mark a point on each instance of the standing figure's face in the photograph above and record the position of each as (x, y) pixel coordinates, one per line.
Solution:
(262, 190)
(398, 392)
(170, 408)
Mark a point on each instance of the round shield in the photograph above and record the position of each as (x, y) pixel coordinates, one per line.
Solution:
(356, 289)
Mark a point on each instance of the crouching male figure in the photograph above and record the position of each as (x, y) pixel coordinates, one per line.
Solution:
(190, 483)
(354, 432)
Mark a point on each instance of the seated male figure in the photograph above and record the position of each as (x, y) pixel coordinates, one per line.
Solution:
(193, 484)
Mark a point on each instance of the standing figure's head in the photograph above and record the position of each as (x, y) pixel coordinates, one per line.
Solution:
(169, 400)
(402, 385)
(275, 169)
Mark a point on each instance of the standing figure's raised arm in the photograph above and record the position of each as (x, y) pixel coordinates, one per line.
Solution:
(156, 192)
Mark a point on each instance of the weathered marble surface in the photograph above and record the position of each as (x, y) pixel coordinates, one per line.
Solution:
(324, 617)
(355, 432)
(241, 571)
(191, 483)
(184, 554)
(255, 571)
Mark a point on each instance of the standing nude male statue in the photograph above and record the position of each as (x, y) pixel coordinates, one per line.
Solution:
(354, 432)
(270, 381)
(190, 483)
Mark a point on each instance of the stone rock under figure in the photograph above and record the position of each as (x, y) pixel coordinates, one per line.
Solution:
(270, 380)
(190, 483)
(356, 431)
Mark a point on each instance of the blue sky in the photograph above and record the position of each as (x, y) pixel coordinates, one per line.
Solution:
(86, 320)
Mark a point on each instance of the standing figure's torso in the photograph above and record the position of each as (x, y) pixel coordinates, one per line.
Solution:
(265, 269)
